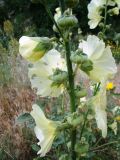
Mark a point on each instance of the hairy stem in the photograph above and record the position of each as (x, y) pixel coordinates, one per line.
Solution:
(71, 94)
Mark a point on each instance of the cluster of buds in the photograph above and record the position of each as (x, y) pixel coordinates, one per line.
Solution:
(82, 60)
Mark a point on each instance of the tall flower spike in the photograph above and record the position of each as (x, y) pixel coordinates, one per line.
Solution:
(45, 130)
(33, 48)
(41, 71)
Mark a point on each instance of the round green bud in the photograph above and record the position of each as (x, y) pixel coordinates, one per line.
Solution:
(78, 57)
(71, 3)
(86, 66)
(66, 21)
(59, 77)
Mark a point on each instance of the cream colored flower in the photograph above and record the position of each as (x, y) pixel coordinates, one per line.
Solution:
(104, 66)
(94, 12)
(45, 130)
(33, 48)
(41, 71)
(99, 106)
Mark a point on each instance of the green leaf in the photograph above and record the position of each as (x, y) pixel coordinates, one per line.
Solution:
(26, 118)
(35, 147)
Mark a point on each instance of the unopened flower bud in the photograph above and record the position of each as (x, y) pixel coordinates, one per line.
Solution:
(86, 66)
(67, 21)
(78, 57)
(34, 48)
(58, 77)
(71, 3)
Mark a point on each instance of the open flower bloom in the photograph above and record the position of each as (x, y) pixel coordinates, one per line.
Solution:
(94, 12)
(41, 71)
(109, 86)
(45, 130)
(33, 48)
(104, 67)
(95, 9)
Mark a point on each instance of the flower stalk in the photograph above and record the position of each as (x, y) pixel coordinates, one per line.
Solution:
(105, 17)
(71, 94)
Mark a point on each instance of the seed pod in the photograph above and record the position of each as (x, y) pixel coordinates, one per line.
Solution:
(66, 21)
(71, 3)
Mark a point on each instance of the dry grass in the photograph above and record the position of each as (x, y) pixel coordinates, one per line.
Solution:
(15, 140)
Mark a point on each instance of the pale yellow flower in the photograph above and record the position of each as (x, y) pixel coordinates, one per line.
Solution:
(104, 67)
(45, 130)
(41, 71)
(99, 106)
(94, 12)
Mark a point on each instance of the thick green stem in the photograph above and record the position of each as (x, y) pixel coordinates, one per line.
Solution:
(71, 94)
